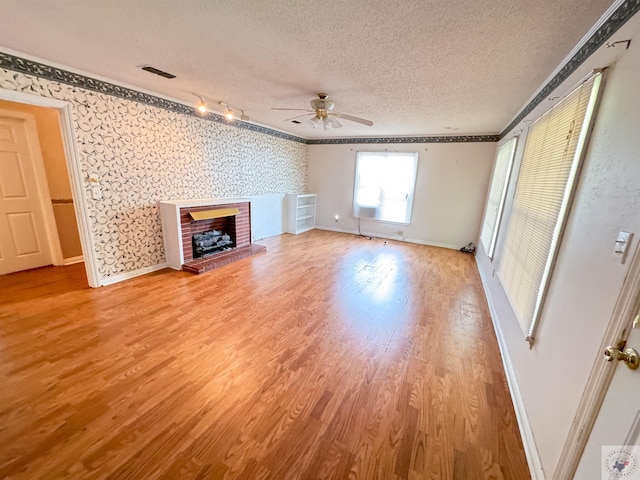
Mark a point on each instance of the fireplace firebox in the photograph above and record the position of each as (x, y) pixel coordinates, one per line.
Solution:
(210, 243)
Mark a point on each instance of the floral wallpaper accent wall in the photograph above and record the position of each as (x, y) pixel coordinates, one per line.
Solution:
(142, 154)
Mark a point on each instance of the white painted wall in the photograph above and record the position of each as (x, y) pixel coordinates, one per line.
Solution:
(452, 182)
(267, 215)
(550, 378)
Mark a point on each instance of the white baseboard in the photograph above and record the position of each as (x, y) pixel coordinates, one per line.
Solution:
(254, 239)
(104, 281)
(391, 237)
(72, 260)
(432, 244)
(526, 433)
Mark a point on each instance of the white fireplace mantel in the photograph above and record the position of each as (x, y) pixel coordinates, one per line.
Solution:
(172, 230)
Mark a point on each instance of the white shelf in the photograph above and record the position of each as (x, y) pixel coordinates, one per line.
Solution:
(301, 212)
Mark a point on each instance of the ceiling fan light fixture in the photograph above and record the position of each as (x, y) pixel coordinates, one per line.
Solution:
(322, 110)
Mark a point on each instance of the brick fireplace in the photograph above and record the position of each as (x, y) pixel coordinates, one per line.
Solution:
(238, 226)
(181, 220)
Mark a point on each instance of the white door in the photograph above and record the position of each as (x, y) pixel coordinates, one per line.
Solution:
(613, 448)
(23, 234)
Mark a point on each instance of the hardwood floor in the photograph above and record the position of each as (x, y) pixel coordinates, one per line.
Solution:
(327, 357)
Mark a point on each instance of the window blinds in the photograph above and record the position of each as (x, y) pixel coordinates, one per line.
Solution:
(495, 203)
(545, 182)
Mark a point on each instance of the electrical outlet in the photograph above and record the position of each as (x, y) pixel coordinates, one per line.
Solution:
(400, 233)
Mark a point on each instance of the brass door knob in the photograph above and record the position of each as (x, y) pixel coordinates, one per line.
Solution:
(629, 356)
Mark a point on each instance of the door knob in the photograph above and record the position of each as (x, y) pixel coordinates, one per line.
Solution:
(629, 356)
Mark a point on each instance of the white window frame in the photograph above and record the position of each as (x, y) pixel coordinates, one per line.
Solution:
(371, 214)
(508, 150)
(530, 325)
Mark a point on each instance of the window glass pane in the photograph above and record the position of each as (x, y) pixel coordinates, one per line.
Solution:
(384, 186)
(497, 193)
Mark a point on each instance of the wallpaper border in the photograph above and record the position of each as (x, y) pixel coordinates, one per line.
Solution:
(617, 19)
(426, 139)
(30, 67)
(41, 70)
(626, 10)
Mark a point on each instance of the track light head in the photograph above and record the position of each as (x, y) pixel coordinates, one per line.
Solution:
(202, 106)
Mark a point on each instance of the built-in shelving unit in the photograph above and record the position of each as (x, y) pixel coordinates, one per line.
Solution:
(301, 212)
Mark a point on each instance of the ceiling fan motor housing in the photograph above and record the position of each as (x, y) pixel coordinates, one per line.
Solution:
(322, 103)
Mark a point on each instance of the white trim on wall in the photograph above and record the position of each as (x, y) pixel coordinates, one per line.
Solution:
(75, 173)
(77, 189)
(104, 281)
(392, 237)
(526, 432)
(73, 260)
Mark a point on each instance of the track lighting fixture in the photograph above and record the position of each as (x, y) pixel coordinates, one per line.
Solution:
(229, 110)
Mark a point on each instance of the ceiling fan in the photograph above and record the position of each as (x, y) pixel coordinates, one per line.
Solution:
(323, 113)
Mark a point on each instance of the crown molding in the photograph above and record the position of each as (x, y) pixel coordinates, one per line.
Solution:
(626, 10)
(55, 74)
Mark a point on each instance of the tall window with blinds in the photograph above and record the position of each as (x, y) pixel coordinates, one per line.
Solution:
(384, 186)
(497, 194)
(550, 165)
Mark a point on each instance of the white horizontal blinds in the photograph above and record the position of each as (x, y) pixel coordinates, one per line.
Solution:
(499, 183)
(544, 182)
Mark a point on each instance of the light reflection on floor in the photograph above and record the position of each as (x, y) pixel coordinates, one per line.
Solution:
(371, 295)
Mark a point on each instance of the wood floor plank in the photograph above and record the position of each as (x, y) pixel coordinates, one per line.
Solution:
(327, 357)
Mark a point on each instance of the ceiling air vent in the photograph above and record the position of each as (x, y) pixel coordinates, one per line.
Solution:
(150, 69)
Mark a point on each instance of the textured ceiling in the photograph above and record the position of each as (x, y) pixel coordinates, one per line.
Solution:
(413, 67)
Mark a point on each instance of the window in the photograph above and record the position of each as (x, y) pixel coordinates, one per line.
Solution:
(550, 164)
(497, 193)
(384, 186)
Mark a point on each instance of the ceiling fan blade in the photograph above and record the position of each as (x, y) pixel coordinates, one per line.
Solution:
(297, 116)
(293, 109)
(351, 118)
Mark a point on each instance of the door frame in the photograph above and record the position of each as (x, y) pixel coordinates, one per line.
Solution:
(76, 177)
(618, 328)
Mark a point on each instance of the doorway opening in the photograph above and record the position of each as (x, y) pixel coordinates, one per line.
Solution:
(41, 203)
